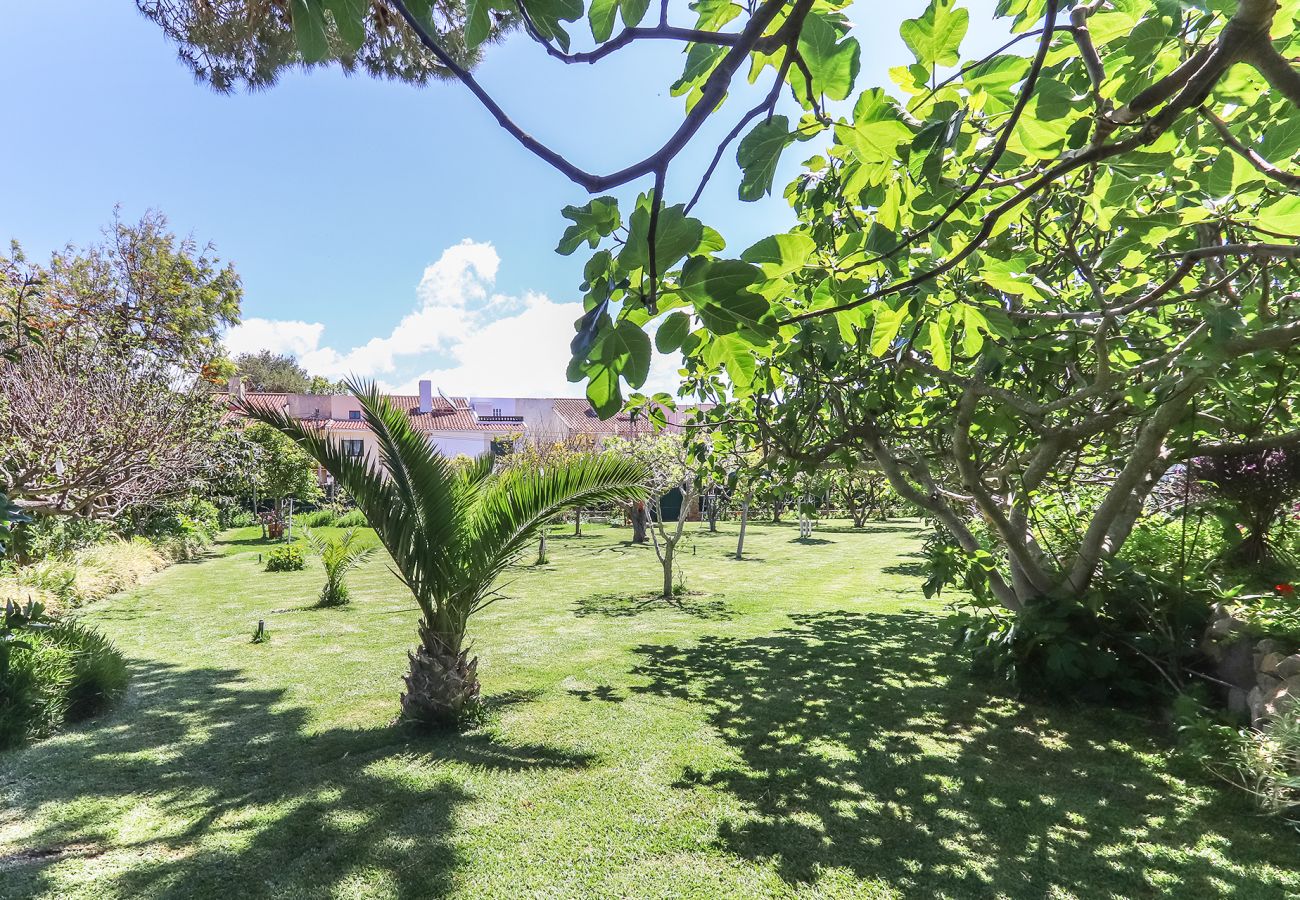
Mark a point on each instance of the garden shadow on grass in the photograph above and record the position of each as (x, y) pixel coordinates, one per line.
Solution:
(862, 748)
(256, 802)
(621, 606)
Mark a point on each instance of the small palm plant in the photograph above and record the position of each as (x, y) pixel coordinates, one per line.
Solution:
(451, 529)
(339, 554)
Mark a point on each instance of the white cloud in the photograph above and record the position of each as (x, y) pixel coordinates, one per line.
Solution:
(489, 344)
(278, 336)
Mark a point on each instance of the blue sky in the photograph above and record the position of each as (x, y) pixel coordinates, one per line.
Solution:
(380, 229)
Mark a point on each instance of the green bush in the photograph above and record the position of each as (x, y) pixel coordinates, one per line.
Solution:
(236, 517)
(286, 558)
(58, 537)
(1127, 641)
(321, 518)
(353, 518)
(99, 674)
(67, 674)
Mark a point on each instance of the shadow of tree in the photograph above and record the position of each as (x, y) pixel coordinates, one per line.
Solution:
(810, 540)
(268, 804)
(857, 753)
(910, 569)
(620, 606)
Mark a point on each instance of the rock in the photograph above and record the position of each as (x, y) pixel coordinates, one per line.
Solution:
(1255, 701)
(1238, 703)
(1225, 625)
(1269, 662)
(1268, 683)
(1289, 667)
(1264, 648)
(1236, 664)
(1279, 699)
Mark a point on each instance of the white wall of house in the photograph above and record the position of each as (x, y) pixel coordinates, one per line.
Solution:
(452, 444)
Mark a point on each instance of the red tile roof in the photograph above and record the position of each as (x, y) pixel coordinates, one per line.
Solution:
(581, 416)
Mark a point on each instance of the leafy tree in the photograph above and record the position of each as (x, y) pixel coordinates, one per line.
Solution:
(666, 460)
(281, 469)
(281, 373)
(233, 43)
(142, 291)
(272, 373)
(450, 530)
(339, 554)
(1071, 259)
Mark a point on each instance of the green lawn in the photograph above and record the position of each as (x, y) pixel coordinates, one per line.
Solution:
(796, 726)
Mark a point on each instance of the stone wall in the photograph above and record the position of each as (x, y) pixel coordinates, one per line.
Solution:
(1261, 675)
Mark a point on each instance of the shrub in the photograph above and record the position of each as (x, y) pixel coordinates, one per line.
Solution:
(59, 537)
(321, 518)
(236, 517)
(1263, 762)
(67, 673)
(286, 558)
(1129, 640)
(339, 554)
(99, 674)
(353, 518)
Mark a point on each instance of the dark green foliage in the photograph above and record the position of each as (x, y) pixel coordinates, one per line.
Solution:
(319, 518)
(287, 558)
(65, 673)
(1129, 640)
(236, 517)
(353, 518)
(98, 670)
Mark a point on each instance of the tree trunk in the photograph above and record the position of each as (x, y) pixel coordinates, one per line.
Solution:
(542, 558)
(712, 500)
(777, 507)
(577, 523)
(744, 521)
(639, 517)
(668, 568)
(442, 686)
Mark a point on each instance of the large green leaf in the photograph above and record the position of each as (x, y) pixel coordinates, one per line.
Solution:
(591, 222)
(633, 11)
(1282, 215)
(720, 291)
(672, 332)
(758, 154)
(310, 29)
(781, 254)
(935, 37)
(676, 234)
(350, 21)
(833, 63)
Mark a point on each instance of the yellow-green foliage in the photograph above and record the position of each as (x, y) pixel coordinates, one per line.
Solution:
(90, 574)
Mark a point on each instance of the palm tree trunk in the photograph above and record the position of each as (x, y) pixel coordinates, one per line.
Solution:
(577, 522)
(442, 686)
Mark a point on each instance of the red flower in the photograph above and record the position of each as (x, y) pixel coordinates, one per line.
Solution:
(1284, 588)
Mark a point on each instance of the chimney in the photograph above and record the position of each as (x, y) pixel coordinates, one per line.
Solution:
(235, 387)
(426, 396)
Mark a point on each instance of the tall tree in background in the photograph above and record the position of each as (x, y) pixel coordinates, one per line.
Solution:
(248, 43)
(106, 407)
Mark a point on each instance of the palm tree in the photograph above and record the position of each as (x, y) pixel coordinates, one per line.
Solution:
(450, 530)
(339, 555)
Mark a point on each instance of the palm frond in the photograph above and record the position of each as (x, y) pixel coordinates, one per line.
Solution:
(515, 505)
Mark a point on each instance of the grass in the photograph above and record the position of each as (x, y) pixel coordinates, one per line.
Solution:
(793, 725)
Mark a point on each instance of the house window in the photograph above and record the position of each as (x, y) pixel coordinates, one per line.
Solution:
(354, 415)
(354, 448)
